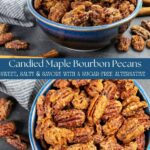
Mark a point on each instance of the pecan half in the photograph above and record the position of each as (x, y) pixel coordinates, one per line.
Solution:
(37, 4)
(58, 136)
(113, 125)
(61, 83)
(80, 83)
(138, 30)
(148, 43)
(7, 129)
(3, 28)
(5, 37)
(130, 130)
(140, 142)
(70, 118)
(97, 108)
(18, 142)
(94, 88)
(5, 108)
(146, 24)
(17, 45)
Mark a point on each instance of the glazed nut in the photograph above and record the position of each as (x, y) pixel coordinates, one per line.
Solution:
(17, 45)
(146, 24)
(80, 83)
(70, 118)
(138, 43)
(138, 30)
(7, 129)
(5, 37)
(148, 43)
(17, 141)
(97, 108)
(3, 28)
(140, 140)
(37, 4)
(5, 108)
(61, 84)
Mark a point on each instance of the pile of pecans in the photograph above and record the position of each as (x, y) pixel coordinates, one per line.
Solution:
(7, 39)
(85, 12)
(92, 115)
(8, 128)
(140, 38)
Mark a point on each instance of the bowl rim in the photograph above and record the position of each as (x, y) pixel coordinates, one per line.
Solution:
(42, 91)
(82, 29)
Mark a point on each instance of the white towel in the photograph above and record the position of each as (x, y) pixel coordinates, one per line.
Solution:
(15, 12)
(24, 91)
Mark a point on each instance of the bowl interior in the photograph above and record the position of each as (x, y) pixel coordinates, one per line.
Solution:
(32, 117)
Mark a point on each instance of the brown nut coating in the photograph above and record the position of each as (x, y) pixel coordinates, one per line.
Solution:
(148, 43)
(5, 37)
(97, 108)
(17, 45)
(61, 84)
(3, 28)
(80, 83)
(70, 118)
(18, 142)
(7, 129)
(58, 136)
(5, 108)
(130, 130)
(140, 142)
(138, 30)
(87, 4)
(146, 24)
(113, 109)
(95, 87)
(113, 125)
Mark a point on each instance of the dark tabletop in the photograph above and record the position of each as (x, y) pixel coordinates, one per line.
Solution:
(40, 43)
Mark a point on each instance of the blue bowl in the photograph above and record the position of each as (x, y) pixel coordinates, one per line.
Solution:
(82, 38)
(32, 117)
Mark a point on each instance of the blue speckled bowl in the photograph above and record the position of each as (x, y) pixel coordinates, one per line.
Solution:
(83, 38)
(32, 117)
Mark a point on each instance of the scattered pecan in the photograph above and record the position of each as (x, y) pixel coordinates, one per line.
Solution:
(95, 87)
(97, 108)
(5, 37)
(17, 45)
(3, 28)
(130, 130)
(58, 136)
(5, 108)
(123, 44)
(148, 43)
(70, 118)
(7, 129)
(146, 24)
(18, 142)
(61, 84)
(138, 30)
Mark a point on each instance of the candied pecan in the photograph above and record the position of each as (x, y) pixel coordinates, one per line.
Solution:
(140, 140)
(130, 99)
(124, 27)
(57, 12)
(5, 108)
(87, 146)
(58, 136)
(123, 44)
(17, 141)
(110, 143)
(7, 129)
(17, 45)
(138, 30)
(146, 24)
(82, 135)
(111, 15)
(3, 28)
(42, 13)
(133, 107)
(42, 126)
(61, 84)
(80, 101)
(97, 16)
(148, 43)
(70, 118)
(130, 146)
(48, 4)
(95, 87)
(80, 83)
(61, 98)
(37, 4)
(5, 37)
(97, 108)
(110, 90)
(58, 147)
(76, 17)
(126, 8)
(113, 109)
(138, 43)
(113, 125)
(87, 4)
(130, 130)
